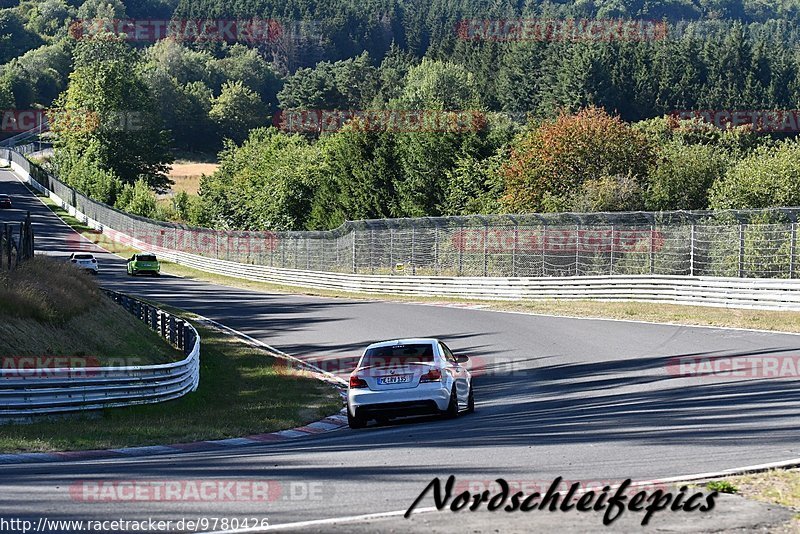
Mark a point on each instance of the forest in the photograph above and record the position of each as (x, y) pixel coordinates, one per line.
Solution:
(564, 124)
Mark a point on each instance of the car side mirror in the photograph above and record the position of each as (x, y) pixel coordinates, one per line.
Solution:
(462, 358)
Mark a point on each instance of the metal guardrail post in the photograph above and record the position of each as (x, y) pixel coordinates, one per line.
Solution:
(461, 251)
(514, 250)
(611, 268)
(485, 248)
(371, 246)
(741, 251)
(543, 247)
(793, 250)
(652, 249)
(413, 260)
(436, 249)
(353, 250)
(172, 329)
(691, 251)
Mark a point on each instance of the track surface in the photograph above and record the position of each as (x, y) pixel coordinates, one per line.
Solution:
(587, 400)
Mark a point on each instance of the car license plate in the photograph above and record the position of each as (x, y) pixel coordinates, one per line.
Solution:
(400, 379)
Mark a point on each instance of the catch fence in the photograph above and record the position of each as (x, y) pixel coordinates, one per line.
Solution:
(744, 243)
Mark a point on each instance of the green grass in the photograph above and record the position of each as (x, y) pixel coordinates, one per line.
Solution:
(242, 391)
(642, 311)
(722, 486)
(48, 308)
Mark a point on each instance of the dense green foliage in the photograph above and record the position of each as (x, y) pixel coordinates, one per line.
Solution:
(564, 125)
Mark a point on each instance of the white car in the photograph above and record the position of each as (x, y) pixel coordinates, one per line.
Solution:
(408, 377)
(85, 261)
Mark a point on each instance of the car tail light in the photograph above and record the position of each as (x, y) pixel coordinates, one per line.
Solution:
(357, 382)
(434, 375)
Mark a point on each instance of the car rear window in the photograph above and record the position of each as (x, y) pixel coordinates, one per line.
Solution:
(145, 257)
(83, 256)
(398, 355)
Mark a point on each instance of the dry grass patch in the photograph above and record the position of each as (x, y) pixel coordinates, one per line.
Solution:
(50, 308)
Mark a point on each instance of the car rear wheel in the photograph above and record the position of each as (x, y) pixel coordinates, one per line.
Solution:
(355, 422)
(452, 406)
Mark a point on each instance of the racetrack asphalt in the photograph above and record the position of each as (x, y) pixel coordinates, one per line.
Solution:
(584, 399)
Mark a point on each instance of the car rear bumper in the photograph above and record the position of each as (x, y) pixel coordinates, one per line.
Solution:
(423, 399)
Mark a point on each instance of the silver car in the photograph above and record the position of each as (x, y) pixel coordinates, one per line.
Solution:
(408, 377)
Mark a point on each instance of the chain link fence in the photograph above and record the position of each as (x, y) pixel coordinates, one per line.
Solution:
(746, 243)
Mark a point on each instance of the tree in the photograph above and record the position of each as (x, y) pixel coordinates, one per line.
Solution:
(683, 176)
(348, 84)
(359, 179)
(770, 177)
(15, 39)
(267, 183)
(137, 199)
(550, 163)
(106, 114)
(237, 110)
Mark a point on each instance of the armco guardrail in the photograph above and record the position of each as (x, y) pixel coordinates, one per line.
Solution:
(755, 293)
(27, 392)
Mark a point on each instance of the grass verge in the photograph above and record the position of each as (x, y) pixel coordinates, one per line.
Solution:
(242, 391)
(49, 309)
(783, 321)
(777, 486)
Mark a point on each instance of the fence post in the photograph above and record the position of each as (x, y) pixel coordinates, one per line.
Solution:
(652, 249)
(577, 243)
(485, 248)
(371, 246)
(793, 250)
(611, 268)
(691, 251)
(544, 241)
(463, 242)
(436, 249)
(354, 250)
(514, 250)
(391, 249)
(741, 251)
(413, 262)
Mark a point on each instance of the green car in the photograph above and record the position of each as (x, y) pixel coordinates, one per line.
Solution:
(144, 263)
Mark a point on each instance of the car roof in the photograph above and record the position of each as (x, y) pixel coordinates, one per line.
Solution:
(404, 341)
